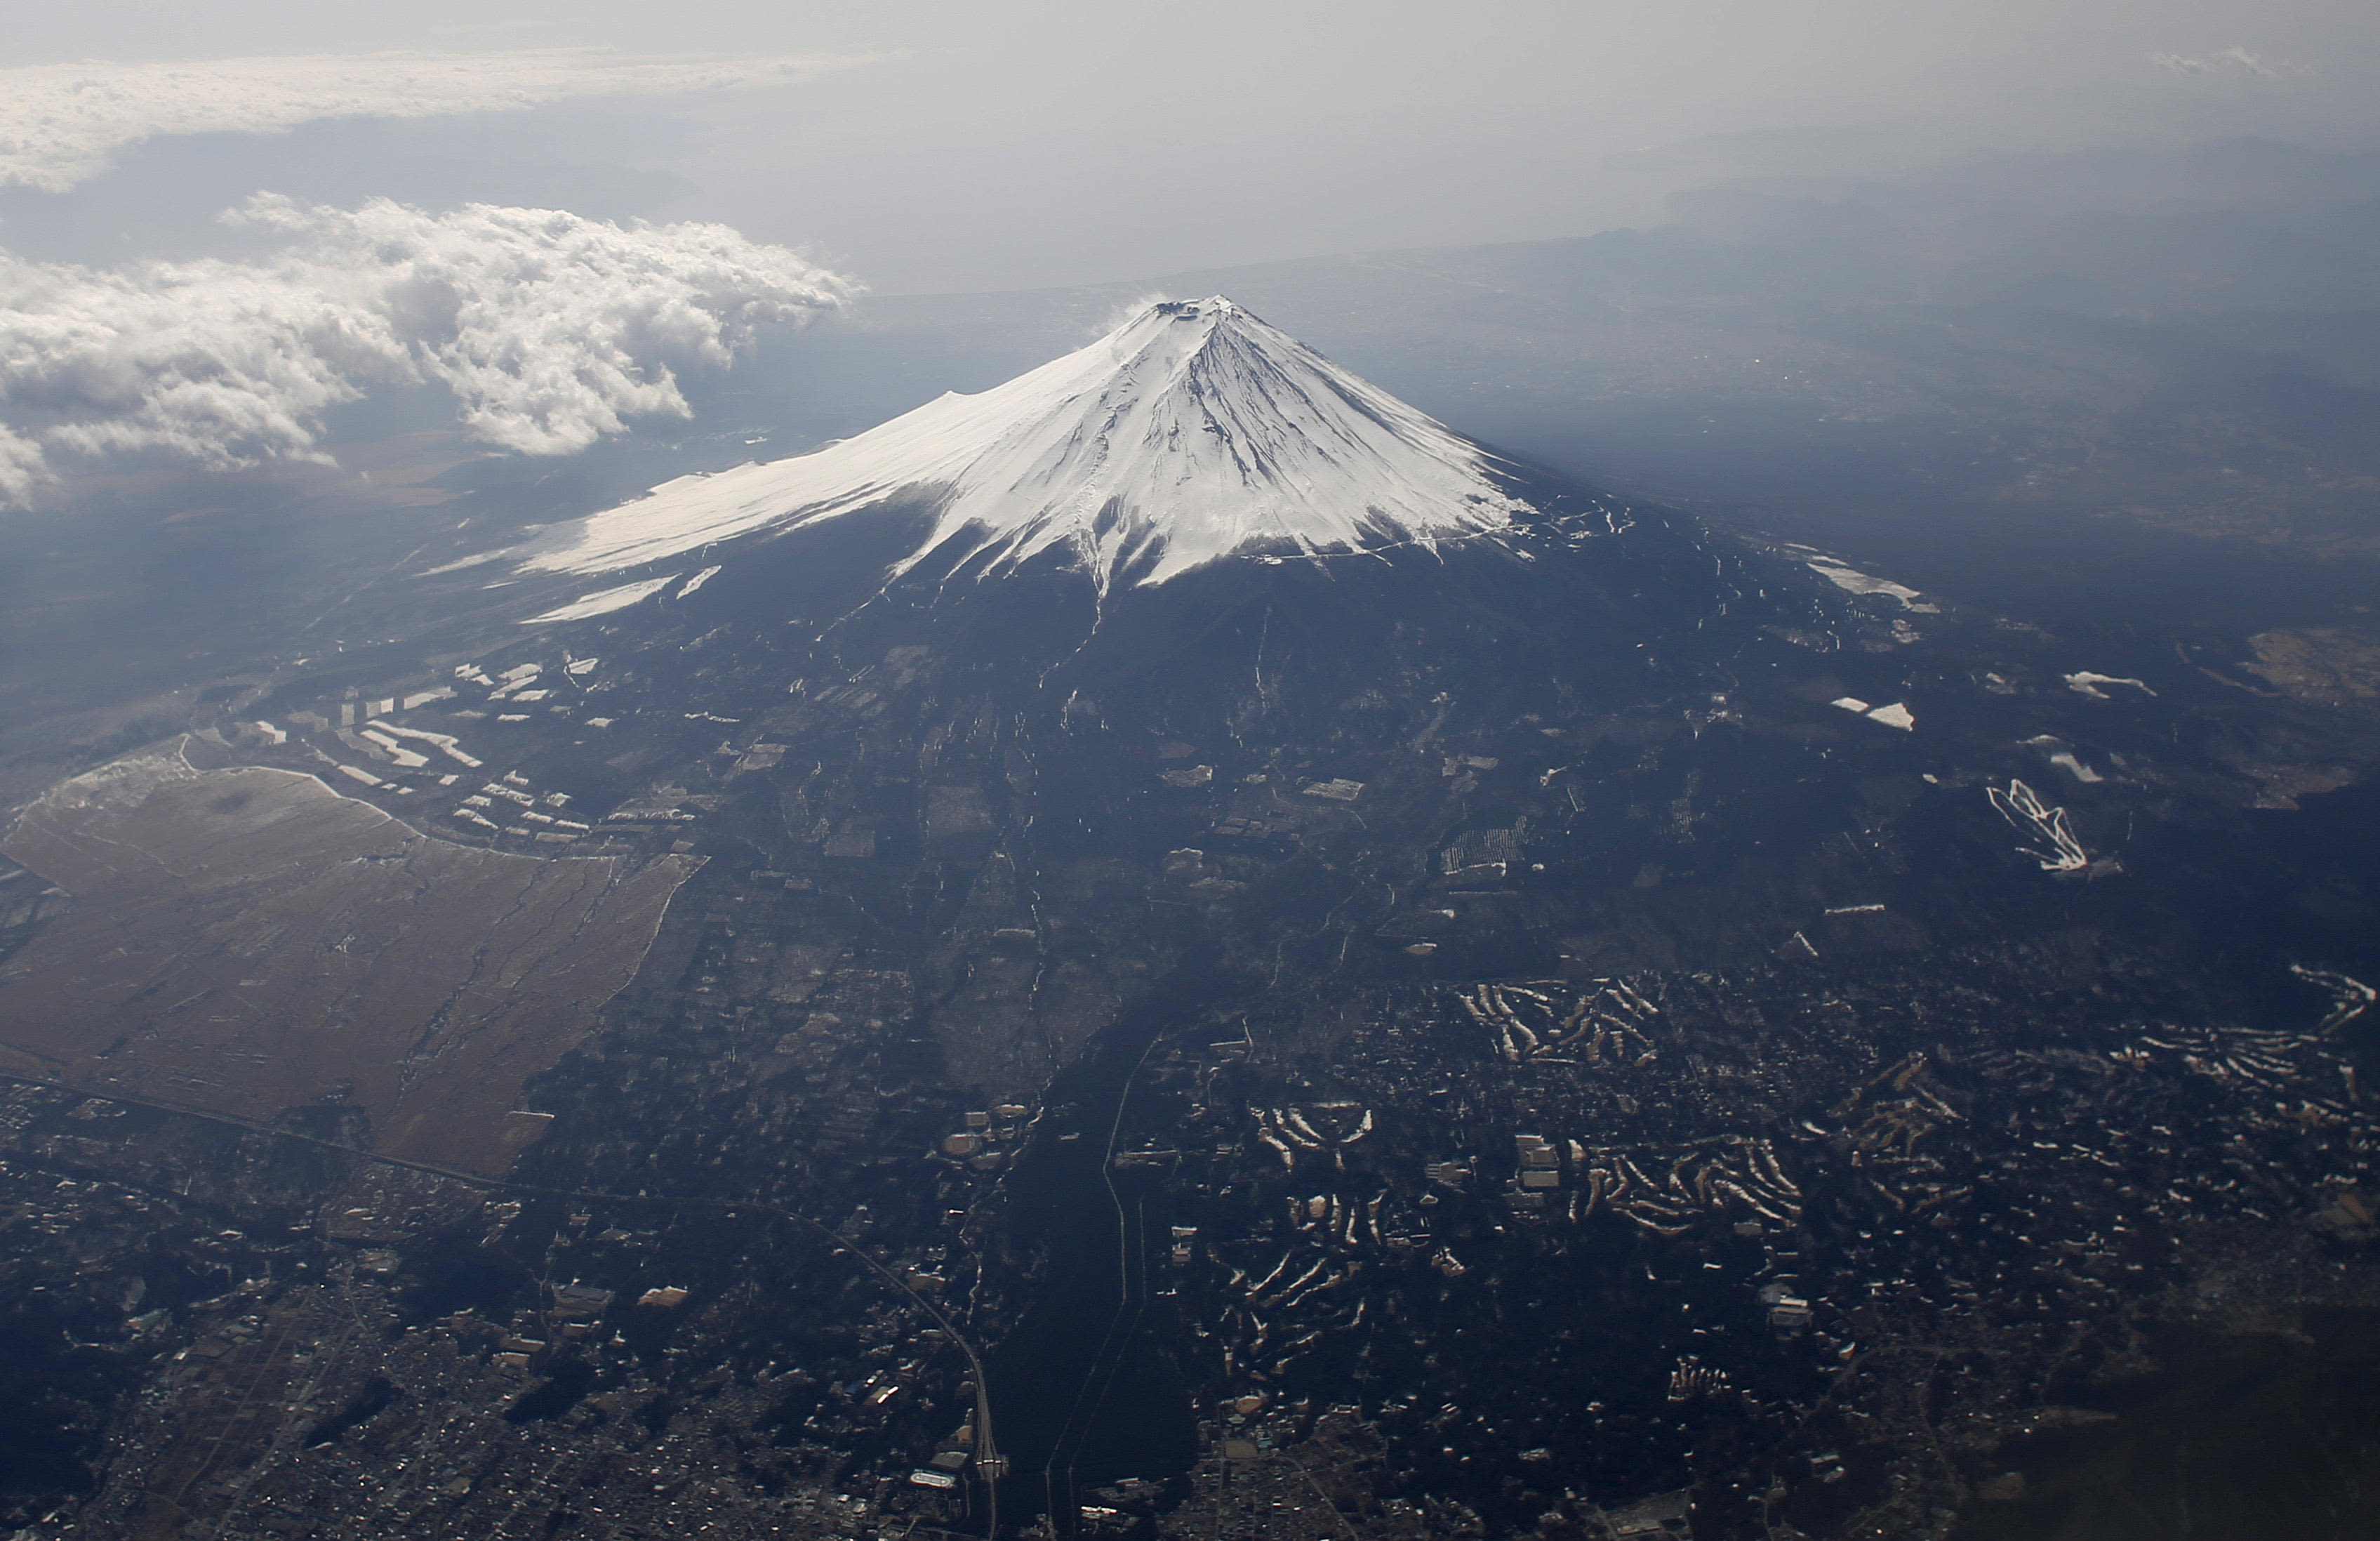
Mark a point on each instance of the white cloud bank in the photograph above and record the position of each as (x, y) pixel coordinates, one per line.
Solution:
(61, 125)
(551, 330)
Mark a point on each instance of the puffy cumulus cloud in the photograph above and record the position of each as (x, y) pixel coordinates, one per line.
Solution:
(551, 331)
(21, 468)
(62, 124)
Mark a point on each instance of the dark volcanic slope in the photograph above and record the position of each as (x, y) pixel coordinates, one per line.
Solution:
(1571, 836)
(1586, 1030)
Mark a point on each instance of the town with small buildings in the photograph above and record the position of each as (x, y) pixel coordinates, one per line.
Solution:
(1488, 1136)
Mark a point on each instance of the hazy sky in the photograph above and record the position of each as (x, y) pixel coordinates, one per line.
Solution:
(1002, 145)
(714, 167)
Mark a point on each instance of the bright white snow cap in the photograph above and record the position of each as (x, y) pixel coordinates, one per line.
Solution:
(1191, 432)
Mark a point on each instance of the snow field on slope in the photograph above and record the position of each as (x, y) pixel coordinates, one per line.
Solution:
(1191, 432)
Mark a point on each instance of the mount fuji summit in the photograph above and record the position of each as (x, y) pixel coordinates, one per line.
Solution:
(1194, 493)
(1195, 519)
(1193, 432)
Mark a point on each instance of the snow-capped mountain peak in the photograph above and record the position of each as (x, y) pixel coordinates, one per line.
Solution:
(1191, 432)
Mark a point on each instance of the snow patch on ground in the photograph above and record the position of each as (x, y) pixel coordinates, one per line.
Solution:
(604, 601)
(1852, 580)
(466, 562)
(2084, 682)
(1894, 716)
(2064, 760)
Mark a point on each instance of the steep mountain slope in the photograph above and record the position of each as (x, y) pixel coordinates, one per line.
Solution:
(1191, 432)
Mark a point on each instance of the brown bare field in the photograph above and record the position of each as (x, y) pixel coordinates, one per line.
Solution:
(247, 940)
(2326, 664)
